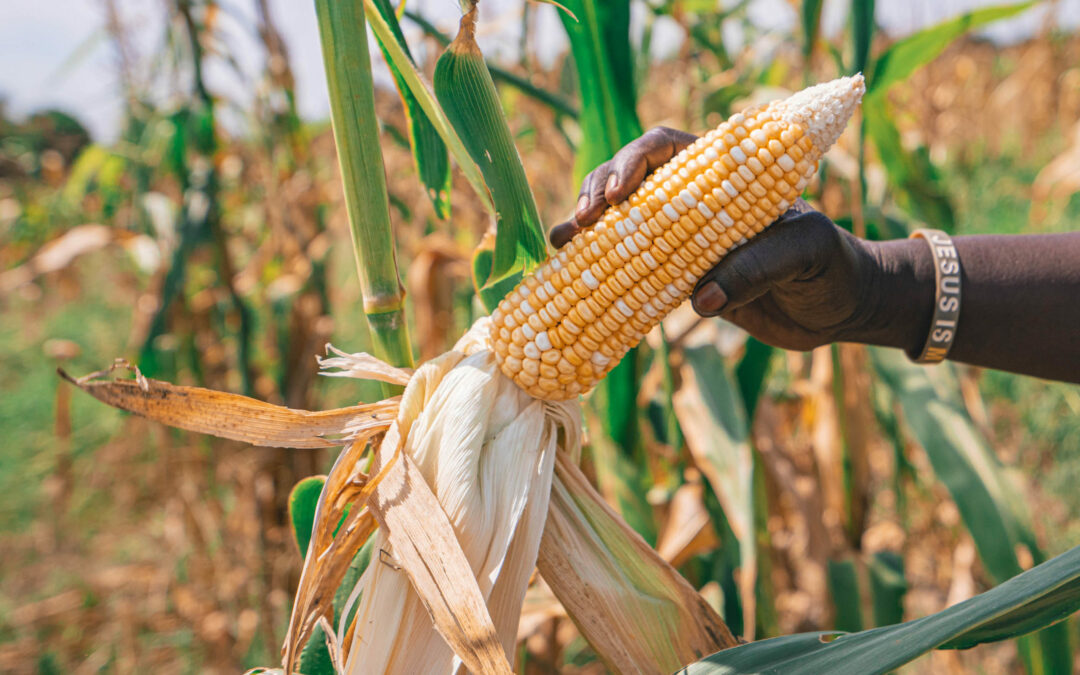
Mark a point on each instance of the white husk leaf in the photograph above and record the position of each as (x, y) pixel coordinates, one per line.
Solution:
(487, 450)
(360, 365)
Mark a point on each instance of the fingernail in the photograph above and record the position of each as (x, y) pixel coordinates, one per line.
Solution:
(561, 234)
(612, 182)
(710, 298)
(582, 204)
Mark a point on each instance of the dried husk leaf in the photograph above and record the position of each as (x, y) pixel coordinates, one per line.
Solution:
(635, 610)
(332, 548)
(420, 542)
(59, 253)
(361, 365)
(232, 416)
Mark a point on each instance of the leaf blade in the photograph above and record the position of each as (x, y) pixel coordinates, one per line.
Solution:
(1031, 600)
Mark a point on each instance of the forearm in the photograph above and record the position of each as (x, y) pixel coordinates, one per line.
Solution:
(1020, 302)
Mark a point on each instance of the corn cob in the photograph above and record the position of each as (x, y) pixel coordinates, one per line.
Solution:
(565, 326)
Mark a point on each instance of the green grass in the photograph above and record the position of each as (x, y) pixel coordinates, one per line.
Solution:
(99, 322)
(992, 194)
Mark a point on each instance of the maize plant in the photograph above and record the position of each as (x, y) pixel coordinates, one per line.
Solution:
(463, 463)
(428, 528)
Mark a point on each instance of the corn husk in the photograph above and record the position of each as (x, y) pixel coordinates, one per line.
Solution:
(487, 451)
(472, 485)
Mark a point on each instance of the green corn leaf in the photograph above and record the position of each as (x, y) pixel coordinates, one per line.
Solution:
(917, 184)
(315, 656)
(603, 60)
(424, 96)
(467, 94)
(429, 151)
(989, 504)
(490, 295)
(714, 421)
(887, 587)
(933, 411)
(751, 371)
(862, 34)
(672, 433)
(810, 16)
(900, 60)
(82, 175)
(302, 503)
(847, 600)
(1037, 598)
(721, 101)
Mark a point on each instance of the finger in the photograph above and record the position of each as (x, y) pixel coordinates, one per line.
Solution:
(591, 202)
(561, 234)
(641, 157)
(779, 254)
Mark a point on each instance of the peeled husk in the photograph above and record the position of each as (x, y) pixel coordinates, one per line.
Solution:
(467, 485)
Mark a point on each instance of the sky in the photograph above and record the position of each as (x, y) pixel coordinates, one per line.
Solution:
(54, 53)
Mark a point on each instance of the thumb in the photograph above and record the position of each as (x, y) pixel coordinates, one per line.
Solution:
(795, 243)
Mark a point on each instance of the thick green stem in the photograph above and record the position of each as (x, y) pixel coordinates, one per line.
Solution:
(343, 33)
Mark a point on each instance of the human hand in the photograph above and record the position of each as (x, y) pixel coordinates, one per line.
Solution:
(801, 283)
(616, 179)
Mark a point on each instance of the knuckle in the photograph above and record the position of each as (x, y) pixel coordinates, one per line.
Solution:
(753, 267)
(657, 134)
(819, 221)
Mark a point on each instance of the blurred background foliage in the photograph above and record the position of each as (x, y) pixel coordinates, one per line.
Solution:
(843, 488)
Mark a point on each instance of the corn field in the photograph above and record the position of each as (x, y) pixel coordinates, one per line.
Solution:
(326, 448)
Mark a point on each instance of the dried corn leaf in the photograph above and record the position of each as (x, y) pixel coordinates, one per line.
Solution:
(688, 530)
(332, 547)
(233, 416)
(635, 610)
(1056, 183)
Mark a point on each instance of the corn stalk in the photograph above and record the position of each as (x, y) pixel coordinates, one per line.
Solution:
(343, 33)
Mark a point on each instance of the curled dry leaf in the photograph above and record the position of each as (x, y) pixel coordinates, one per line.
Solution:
(332, 547)
(232, 416)
(460, 496)
(1057, 181)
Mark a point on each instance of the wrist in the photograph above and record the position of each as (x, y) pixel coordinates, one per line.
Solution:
(897, 299)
